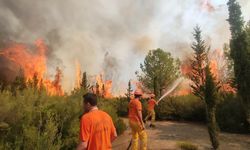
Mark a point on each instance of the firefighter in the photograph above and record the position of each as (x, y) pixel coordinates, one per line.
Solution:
(151, 112)
(97, 130)
(136, 122)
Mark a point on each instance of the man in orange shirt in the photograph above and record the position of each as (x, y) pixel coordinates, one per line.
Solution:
(151, 110)
(97, 130)
(136, 122)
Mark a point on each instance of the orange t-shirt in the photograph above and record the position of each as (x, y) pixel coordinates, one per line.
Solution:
(151, 104)
(97, 129)
(134, 106)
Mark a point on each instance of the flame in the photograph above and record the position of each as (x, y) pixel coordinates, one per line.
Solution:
(102, 87)
(218, 68)
(107, 91)
(34, 65)
(31, 64)
(78, 75)
(214, 69)
(54, 87)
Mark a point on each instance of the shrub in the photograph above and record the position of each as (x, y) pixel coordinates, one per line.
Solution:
(181, 108)
(33, 120)
(231, 116)
(186, 146)
(122, 107)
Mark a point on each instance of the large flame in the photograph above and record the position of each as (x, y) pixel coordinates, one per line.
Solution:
(217, 65)
(103, 87)
(34, 64)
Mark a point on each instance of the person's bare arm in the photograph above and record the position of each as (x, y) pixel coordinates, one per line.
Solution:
(114, 136)
(82, 146)
(139, 112)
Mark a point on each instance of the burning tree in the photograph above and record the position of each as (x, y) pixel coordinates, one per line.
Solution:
(19, 83)
(84, 84)
(240, 53)
(159, 70)
(204, 85)
(32, 60)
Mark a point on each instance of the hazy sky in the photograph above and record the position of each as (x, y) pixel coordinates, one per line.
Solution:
(113, 36)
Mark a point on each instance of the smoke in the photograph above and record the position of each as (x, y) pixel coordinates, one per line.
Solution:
(86, 30)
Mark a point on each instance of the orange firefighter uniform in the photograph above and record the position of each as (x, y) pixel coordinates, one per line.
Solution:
(138, 131)
(97, 129)
(151, 109)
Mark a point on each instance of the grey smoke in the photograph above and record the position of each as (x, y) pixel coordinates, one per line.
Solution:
(84, 30)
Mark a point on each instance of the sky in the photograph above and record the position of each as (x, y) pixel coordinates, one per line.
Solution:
(113, 36)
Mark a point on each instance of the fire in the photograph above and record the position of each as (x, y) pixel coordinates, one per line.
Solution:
(218, 68)
(103, 87)
(107, 90)
(34, 64)
(214, 69)
(54, 87)
(31, 64)
(78, 75)
(99, 85)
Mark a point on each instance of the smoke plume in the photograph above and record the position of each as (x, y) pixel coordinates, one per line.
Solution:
(85, 31)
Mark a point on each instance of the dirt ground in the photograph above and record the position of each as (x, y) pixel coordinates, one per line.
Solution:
(168, 133)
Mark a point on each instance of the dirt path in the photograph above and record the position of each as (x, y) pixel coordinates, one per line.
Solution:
(166, 134)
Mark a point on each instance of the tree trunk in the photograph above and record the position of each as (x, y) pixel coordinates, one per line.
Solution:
(212, 127)
(246, 106)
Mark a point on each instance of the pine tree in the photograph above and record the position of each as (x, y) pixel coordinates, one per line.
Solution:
(204, 85)
(84, 84)
(129, 90)
(240, 53)
(198, 64)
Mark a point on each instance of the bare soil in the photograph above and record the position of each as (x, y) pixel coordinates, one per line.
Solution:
(167, 133)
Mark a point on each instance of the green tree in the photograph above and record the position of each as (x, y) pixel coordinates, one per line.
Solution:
(229, 61)
(240, 53)
(158, 71)
(204, 85)
(229, 76)
(198, 64)
(211, 96)
(129, 90)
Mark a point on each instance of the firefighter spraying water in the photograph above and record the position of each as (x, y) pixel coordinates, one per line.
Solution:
(152, 102)
(151, 110)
